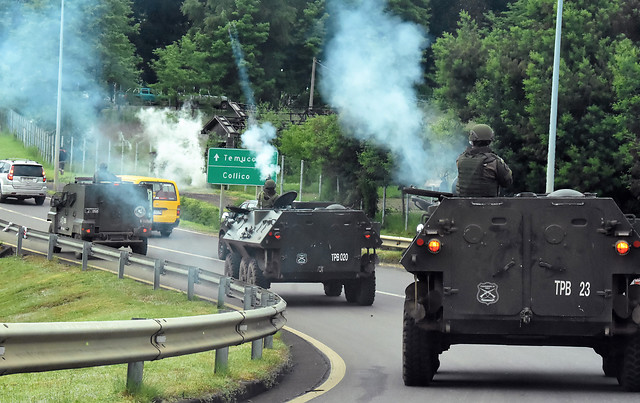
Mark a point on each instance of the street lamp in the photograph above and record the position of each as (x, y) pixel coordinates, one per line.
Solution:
(56, 147)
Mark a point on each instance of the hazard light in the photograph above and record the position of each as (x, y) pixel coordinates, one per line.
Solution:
(622, 247)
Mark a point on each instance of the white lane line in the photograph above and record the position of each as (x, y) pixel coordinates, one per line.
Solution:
(22, 214)
(390, 294)
(185, 253)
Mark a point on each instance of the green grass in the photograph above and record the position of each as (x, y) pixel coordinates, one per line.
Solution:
(37, 290)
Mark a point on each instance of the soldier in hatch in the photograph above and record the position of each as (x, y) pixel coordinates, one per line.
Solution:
(480, 171)
(268, 196)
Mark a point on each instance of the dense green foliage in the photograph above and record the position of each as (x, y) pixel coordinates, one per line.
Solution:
(501, 74)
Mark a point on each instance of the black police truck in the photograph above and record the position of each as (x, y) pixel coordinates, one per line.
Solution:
(561, 269)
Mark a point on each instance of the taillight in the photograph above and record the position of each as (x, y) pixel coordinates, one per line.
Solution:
(434, 246)
(44, 177)
(178, 211)
(420, 241)
(275, 234)
(622, 247)
(10, 176)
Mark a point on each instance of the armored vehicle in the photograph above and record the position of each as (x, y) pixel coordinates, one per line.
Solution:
(111, 213)
(302, 242)
(561, 269)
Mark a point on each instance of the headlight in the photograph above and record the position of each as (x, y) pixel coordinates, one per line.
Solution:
(140, 211)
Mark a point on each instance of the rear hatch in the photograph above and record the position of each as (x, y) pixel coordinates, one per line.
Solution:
(27, 177)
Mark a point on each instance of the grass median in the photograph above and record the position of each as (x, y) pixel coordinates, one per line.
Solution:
(36, 290)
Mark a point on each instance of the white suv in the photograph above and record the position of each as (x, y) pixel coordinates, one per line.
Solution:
(22, 179)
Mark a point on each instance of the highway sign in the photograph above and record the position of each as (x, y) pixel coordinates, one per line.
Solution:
(235, 166)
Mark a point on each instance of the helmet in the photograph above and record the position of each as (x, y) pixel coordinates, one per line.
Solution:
(481, 132)
(269, 184)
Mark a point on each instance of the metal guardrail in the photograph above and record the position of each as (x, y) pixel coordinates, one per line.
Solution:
(34, 347)
(395, 242)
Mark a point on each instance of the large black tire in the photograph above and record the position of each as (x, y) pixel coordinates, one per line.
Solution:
(232, 265)
(332, 289)
(242, 271)
(223, 251)
(629, 376)
(255, 275)
(39, 200)
(419, 356)
(141, 247)
(361, 291)
(611, 365)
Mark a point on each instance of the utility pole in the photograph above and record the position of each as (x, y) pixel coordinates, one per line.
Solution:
(56, 148)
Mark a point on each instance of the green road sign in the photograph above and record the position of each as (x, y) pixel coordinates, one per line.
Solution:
(235, 166)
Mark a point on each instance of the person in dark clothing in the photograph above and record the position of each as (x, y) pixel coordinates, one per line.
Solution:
(268, 196)
(103, 175)
(62, 157)
(481, 172)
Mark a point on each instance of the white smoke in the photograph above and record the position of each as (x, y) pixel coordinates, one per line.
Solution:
(257, 139)
(373, 65)
(174, 137)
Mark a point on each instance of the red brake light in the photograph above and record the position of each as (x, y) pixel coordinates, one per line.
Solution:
(622, 247)
(178, 211)
(44, 177)
(277, 235)
(10, 175)
(636, 244)
(419, 241)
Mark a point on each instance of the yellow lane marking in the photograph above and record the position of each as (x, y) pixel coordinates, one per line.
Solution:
(336, 373)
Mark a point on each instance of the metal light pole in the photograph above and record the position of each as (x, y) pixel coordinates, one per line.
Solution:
(56, 149)
(553, 119)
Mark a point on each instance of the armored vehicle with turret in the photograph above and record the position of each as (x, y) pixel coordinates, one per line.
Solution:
(557, 269)
(111, 213)
(302, 242)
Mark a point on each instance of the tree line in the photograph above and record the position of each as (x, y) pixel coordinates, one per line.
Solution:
(490, 61)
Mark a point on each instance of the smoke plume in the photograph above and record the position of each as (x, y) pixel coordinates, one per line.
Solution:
(373, 64)
(179, 155)
(257, 137)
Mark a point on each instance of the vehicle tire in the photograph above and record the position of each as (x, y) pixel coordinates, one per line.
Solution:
(39, 200)
(242, 271)
(367, 290)
(232, 265)
(419, 358)
(2, 197)
(223, 251)
(332, 289)
(611, 365)
(629, 376)
(255, 276)
(351, 290)
(140, 248)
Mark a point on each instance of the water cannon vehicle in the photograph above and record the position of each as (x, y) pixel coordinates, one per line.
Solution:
(557, 269)
(317, 242)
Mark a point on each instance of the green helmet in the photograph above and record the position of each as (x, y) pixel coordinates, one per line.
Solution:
(481, 132)
(269, 184)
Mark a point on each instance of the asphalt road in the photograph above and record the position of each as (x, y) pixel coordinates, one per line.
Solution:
(369, 340)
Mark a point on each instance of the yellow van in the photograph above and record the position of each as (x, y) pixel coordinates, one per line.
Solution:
(166, 202)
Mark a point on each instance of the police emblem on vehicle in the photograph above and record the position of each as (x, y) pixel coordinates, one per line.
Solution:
(301, 258)
(488, 293)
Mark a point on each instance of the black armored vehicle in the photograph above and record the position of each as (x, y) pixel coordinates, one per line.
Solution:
(111, 213)
(561, 269)
(302, 242)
